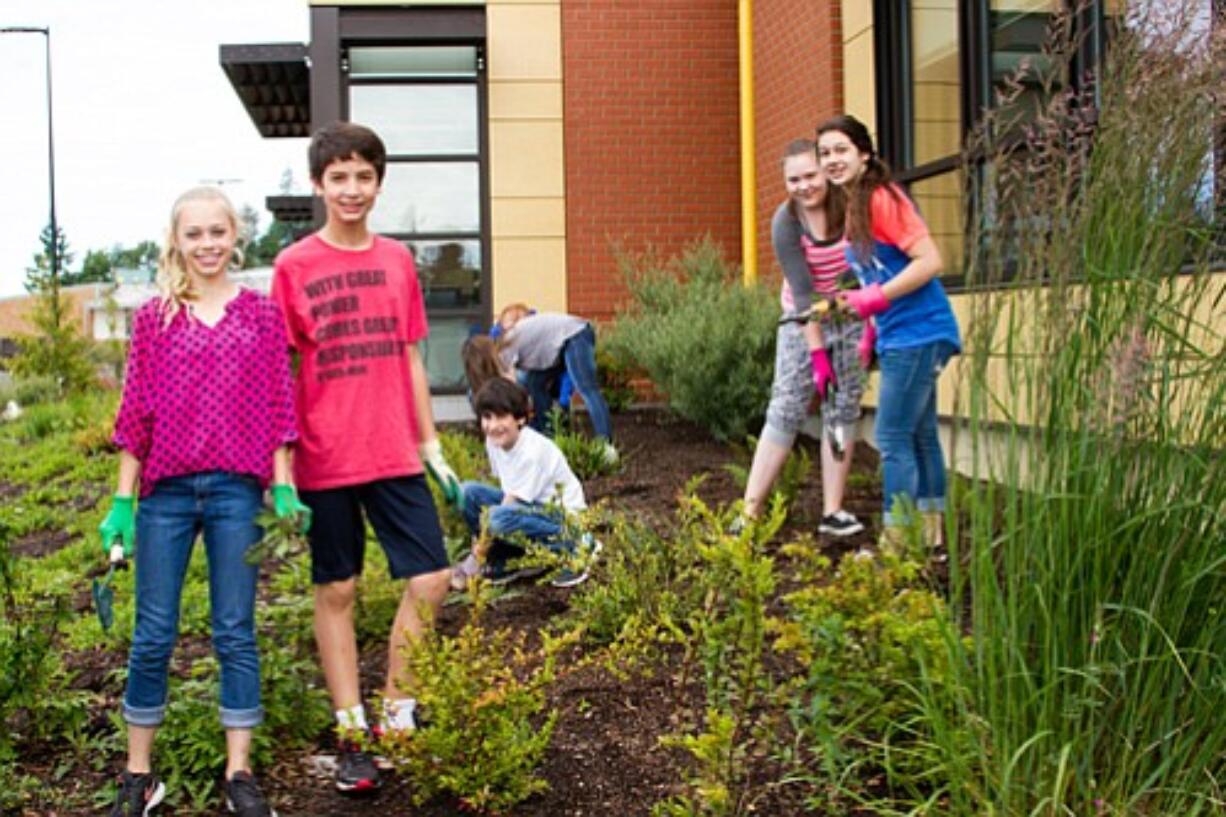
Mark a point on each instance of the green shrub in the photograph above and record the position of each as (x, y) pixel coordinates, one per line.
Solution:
(586, 456)
(705, 339)
(488, 731)
(29, 391)
(616, 377)
(729, 634)
(865, 635)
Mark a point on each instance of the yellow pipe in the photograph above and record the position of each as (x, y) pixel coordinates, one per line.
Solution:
(749, 191)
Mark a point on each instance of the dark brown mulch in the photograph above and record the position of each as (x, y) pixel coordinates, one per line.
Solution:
(605, 757)
(40, 543)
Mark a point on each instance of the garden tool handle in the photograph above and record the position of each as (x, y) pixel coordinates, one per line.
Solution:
(117, 559)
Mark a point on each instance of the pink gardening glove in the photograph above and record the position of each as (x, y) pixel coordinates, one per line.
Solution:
(868, 341)
(823, 372)
(867, 302)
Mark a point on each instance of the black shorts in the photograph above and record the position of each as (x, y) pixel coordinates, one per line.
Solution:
(404, 519)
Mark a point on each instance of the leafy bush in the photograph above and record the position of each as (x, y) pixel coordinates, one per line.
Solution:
(28, 391)
(864, 635)
(705, 339)
(484, 693)
(585, 455)
(730, 631)
(616, 377)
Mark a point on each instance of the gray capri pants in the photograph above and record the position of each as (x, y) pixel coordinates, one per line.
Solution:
(792, 389)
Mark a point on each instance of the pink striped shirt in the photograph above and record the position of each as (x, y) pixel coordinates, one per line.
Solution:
(200, 398)
(827, 262)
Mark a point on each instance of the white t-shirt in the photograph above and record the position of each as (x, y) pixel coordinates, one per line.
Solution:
(535, 470)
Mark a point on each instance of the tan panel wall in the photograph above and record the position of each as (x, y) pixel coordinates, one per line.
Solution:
(859, 77)
(527, 168)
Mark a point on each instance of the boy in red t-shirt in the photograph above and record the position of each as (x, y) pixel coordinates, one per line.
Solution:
(354, 313)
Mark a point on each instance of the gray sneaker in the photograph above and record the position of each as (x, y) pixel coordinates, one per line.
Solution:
(569, 578)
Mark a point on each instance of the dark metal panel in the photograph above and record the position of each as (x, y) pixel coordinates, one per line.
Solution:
(439, 25)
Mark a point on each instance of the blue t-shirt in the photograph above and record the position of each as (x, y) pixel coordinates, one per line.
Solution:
(920, 317)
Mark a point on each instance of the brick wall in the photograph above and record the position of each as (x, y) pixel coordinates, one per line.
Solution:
(16, 311)
(651, 135)
(798, 78)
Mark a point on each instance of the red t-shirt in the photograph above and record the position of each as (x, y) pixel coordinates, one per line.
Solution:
(351, 315)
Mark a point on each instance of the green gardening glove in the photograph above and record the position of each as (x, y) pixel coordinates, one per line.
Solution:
(119, 524)
(287, 505)
(432, 455)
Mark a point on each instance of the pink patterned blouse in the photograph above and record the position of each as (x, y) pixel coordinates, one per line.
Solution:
(200, 398)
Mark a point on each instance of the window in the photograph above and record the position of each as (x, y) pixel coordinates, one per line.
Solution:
(940, 65)
(427, 102)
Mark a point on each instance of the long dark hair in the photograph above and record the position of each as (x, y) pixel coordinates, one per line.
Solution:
(481, 362)
(860, 193)
(835, 204)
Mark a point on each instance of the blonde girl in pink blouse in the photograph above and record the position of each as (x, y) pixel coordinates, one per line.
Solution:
(204, 426)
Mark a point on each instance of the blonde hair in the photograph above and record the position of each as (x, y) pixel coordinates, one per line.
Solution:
(514, 311)
(173, 283)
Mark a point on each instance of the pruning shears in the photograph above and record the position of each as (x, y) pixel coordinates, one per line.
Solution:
(104, 595)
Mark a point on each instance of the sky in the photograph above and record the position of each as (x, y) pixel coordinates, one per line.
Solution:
(142, 111)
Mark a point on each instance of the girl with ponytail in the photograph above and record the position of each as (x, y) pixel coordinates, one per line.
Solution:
(896, 261)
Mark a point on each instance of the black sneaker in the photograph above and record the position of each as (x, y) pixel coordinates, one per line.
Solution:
(500, 574)
(138, 795)
(244, 798)
(840, 523)
(355, 769)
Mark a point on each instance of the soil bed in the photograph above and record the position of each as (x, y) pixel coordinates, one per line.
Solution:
(605, 757)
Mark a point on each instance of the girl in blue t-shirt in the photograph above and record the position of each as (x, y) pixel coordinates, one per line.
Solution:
(896, 260)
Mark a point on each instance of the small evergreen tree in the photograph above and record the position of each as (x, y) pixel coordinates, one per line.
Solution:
(57, 349)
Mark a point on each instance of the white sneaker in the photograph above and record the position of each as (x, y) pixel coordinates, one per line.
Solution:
(840, 523)
(465, 570)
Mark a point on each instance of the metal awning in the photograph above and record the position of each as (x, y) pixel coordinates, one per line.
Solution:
(290, 209)
(273, 82)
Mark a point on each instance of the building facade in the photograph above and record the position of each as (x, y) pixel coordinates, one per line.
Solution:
(531, 140)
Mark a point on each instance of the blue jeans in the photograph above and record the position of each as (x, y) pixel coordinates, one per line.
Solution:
(579, 361)
(223, 506)
(535, 523)
(911, 457)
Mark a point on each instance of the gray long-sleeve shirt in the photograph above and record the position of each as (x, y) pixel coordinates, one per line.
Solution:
(535, 342)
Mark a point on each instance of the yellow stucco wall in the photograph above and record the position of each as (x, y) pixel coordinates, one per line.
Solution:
(526, 161)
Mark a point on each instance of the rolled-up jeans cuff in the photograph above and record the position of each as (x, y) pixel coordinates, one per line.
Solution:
(241, 718)
(144, 716)
(932, 504)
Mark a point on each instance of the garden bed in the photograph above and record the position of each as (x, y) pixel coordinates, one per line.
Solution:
(605, 756)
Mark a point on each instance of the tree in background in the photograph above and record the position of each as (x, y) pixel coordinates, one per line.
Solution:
(57, 349)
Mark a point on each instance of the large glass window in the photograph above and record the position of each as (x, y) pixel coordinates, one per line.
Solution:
(940, 65)
(427, 103)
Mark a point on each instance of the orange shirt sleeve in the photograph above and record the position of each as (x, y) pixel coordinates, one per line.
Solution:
(894, 218)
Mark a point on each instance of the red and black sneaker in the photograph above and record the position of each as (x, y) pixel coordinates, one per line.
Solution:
(355, 769)
(138, 795)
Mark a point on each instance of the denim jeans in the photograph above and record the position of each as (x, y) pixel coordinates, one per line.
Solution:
(906, 428)
(536, 523)
(223, 506)
(579, 361)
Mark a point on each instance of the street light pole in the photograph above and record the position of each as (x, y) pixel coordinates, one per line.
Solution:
(55, 233)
